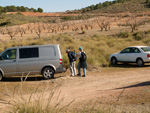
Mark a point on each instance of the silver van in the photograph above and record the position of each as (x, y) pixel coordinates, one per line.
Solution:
(39, 59)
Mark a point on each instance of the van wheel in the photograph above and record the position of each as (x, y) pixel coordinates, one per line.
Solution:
(48, 73)
(1, 77)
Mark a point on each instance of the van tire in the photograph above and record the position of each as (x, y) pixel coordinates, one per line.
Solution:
(48, 73)
(1, 76)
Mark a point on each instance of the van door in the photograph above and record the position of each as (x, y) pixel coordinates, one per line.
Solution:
(27, 60)
(8, 62)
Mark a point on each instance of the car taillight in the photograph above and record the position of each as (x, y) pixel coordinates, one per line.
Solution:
(148, 55)
(60, 61)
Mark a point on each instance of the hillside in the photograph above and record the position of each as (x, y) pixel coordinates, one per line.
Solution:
(117, 6)
(132, 6)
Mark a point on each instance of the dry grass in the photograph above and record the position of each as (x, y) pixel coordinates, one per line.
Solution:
(43, 98)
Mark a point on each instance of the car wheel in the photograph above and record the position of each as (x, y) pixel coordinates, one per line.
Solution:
(48, 73)
(114, 61)
(140, 62)
(1, 77)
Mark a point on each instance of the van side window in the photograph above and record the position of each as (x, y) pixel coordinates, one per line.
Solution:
(9, 54)
(28, 52)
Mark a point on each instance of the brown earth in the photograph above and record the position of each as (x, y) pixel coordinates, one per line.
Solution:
(123, 87)
(113, 31)
(43, 14)
(65, 14)
(114, 28)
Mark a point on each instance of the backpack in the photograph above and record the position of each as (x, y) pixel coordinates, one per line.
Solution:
(74, 56)
(83, 57)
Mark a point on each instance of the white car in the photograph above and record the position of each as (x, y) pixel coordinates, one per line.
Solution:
(135, 54)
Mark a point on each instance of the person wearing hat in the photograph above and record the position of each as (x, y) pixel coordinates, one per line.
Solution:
(72, 62)
(82, 62)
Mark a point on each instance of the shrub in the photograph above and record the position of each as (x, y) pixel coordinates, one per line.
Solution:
(5, 23)
(83, 32)
(67, 18)
(138, 37)
(147, 1)
(123, 35)
(17, 19)
(66, 62)
(147, 41)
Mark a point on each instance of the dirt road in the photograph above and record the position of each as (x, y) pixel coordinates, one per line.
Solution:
(117, 86)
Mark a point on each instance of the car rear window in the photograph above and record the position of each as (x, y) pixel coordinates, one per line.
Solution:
(145, 49)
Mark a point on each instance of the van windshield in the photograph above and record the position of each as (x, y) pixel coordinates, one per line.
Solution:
(146, 49)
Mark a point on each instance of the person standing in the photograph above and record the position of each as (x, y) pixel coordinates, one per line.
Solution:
(72, 62)
(82, 62)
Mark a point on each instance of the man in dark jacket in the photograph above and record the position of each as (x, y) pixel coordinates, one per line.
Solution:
(72, 62)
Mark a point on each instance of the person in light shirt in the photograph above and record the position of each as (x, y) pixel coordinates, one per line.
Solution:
(72, 62)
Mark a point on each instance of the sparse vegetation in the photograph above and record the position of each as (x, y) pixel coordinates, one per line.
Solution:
(17, 19)
(100, 5)
(116, 6)
(123, 35)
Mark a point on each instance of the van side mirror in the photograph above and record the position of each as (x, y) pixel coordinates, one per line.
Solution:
(1, 58)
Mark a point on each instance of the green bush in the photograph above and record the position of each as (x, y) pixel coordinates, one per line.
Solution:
(123, 35)
(83, 32)
(67, 18)
(138, 37)
(17, 19)
(7, 22)
(147, 1)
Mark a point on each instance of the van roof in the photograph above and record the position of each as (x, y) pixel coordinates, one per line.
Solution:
(34, 46)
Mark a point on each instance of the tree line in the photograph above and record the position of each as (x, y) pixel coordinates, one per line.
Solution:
(101, 5)
(13, 8)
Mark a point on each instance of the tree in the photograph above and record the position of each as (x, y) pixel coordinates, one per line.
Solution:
(11, 32)
(103, 23)
(105, 4)
(38, 30)
(40, 10)
(3, 31)
(12, 8)
(134, 23)
(98, 6)
(34, 10)
(21, 30)
(83, 10)
(1, 9)
(147, 1)
(22, 9)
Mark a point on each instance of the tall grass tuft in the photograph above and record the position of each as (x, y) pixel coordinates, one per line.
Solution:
(42, 98)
